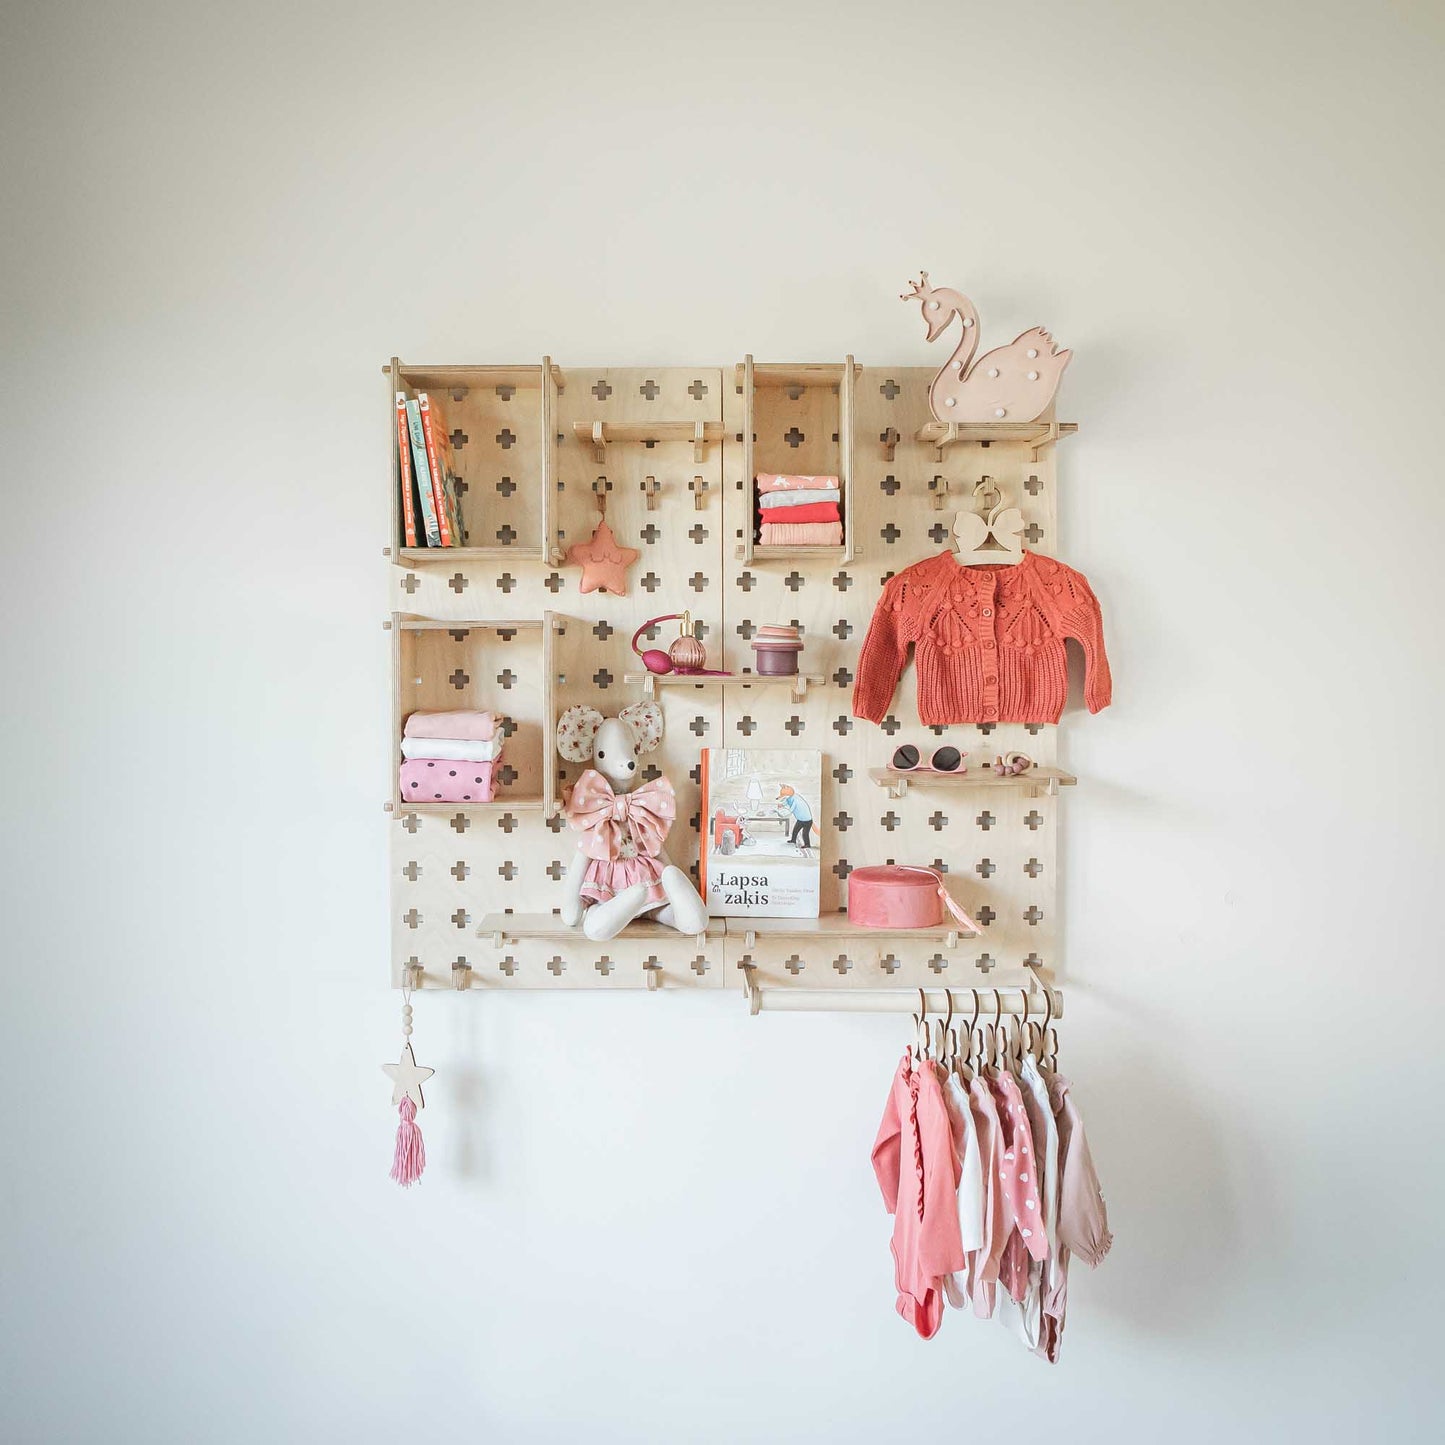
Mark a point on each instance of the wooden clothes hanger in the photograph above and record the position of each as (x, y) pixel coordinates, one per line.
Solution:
(991, 537)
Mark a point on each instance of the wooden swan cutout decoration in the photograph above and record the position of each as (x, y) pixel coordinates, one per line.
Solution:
(1016, 382)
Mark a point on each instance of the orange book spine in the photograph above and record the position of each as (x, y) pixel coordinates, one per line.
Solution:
(438, 477)
(403, 450)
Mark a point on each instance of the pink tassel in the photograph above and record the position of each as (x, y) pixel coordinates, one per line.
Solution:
(410, 1160)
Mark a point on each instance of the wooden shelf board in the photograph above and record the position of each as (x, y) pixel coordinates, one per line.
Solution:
(786, 554)
(524, 378)
(502, 926)
(461, 624)
(417, 556)
(947, 433)
(1034, 782)
(741, 679)
(530, 803)
(837, 925)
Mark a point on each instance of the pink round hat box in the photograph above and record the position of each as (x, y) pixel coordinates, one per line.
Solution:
(888, 896)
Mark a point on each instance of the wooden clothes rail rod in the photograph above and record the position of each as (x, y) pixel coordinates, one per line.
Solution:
(901, 1001)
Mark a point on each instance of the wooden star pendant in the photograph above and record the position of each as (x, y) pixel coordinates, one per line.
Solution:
(407, 1076)
(604, 562)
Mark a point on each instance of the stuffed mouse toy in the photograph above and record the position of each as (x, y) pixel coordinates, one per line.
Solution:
(621, 871)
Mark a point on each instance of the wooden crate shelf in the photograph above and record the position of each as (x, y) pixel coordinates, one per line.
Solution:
(797, 417)
(501, 421)
(1037, 782)
(441, 664)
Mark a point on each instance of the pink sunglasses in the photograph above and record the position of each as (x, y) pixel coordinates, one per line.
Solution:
(907, 759)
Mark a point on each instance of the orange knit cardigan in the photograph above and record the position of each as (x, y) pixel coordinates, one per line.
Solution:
(988, 641)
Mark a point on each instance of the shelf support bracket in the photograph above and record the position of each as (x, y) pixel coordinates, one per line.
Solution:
(699, 441)
(599, 442)
(652, 972)
(750, 985)
(650, 489)
(938, 487)
(890, 440)
(461, 976)
(698, 488)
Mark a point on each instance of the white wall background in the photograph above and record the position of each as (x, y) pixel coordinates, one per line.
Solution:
(651, 1219)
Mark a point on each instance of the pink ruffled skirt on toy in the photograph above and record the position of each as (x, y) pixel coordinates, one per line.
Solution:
(603, 879)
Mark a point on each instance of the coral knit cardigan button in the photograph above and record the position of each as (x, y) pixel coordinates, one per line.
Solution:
(988, 642)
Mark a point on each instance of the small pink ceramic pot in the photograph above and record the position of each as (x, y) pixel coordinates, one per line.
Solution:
(777, 659)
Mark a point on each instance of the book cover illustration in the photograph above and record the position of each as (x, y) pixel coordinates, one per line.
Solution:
(760, 845)
(421, 470)
(443, 477)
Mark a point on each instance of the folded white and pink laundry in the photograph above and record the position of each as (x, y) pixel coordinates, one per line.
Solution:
(789, 482)
(450, 757)
(452, 749)
(778, 501)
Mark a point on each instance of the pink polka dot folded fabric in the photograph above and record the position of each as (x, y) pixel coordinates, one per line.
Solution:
(441, 780)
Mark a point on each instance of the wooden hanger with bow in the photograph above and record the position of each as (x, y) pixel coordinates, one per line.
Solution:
(991, 536)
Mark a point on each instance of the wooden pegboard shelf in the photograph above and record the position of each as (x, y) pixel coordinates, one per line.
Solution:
(508, 928)
(797, 683)
(502, 803)
(833, 926)
(1037, 782)
(465, 556)
(941, 435)
(794, 554)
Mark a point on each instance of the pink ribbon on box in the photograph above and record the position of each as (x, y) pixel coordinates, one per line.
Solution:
(603, 815)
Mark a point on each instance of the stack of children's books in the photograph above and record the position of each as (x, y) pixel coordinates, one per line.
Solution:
(760, 848)
(429, 513)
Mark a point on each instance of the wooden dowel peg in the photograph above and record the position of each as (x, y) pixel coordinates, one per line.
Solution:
(413, 974)
(938, 490)
(650, 489)
(890, 440)
(461, 976)
(653, 973)
(698, 487)
(699, 441)
(599, 442)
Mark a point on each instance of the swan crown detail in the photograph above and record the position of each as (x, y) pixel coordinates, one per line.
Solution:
(1013, 383)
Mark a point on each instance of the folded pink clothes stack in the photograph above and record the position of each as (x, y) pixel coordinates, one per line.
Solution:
(798, 510)
(450, 757)
(801, 534)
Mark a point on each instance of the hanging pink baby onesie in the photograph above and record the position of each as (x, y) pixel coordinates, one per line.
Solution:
(917, 1169)
(983, 1274)
(1017, 1175)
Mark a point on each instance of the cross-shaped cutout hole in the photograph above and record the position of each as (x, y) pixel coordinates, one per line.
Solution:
(1033, 915)
(938, 821)
(507, 823)
(1033, 820)
(1033, 961)
(793, 581)
(651, 582)
(412, 871)
(506, 534)
(697, 390)
(794, 965)
(889, 964)
(890, 725)
(746, 726)
(459, 438)
(650, 389)
(555, 966)
(698, 581)
(459, 871)
(508, 965)
(651, 533)
(986, 820)
(842, 629)
(555, 869)
(842, 822)
(698, 533)
(986, 728)
(890, 389)
(411, 918)
(1033, 867)
(843, 964)
(1033, 534)
(460, 822)
(1032, 485)
(506, 583)
(698, 726)
(842, 581)
(890, 534)
(938, 963)
(842, 677)
(699, 965)
(507, 679)
(985, 916)
(985, 963)
(794, 725)
(985, 867)
(843, 773)
(458, 583)
(459, 679)
(553, 582)
(506, 869)
(460, 918)
(890, 820)
(746, 628)
(747, 581)
(794, 437)
(604, 966)
(842, 725)
(410, 583)
(890, 484)
(506, 486)
(601, 391)
(506, 438)
(938, 534)
(841, 869)
(603, 678)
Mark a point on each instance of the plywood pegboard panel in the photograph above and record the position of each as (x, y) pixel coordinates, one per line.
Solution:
(998, 847)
